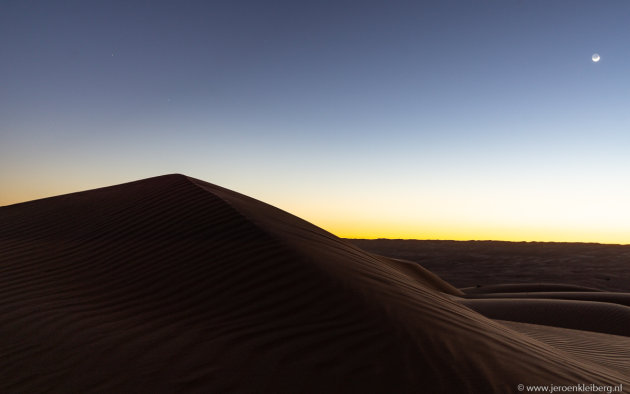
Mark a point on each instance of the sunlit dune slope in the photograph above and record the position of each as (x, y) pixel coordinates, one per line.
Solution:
(612, 351)
(172, 284)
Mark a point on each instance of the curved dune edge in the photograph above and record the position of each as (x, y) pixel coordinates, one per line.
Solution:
(173, 284)
(603, 296)
(526, 288)
(603, 317)
(422, 275)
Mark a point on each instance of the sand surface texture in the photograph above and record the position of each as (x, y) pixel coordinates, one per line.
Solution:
(171, 284)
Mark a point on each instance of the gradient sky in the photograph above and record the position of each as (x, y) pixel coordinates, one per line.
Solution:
(399, 119)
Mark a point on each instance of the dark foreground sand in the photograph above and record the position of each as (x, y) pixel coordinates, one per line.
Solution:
(171, 284)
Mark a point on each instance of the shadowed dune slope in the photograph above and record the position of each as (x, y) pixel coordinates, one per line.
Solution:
(173, 284)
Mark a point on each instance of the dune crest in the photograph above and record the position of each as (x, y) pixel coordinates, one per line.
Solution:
(174, 284)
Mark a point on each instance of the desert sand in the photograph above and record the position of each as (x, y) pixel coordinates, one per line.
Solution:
(518, 265)
(172, 284)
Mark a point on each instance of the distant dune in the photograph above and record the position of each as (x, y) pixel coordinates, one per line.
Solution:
(171, 284)
(488, 263)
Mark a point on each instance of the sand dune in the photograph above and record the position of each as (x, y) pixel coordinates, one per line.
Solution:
(603, 296)
(582, 315)
(527, 288)
(171, 284)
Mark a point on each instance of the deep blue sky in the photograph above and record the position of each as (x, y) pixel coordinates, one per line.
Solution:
(444, 119)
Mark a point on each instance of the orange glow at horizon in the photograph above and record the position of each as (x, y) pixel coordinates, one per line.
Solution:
(475, 235)
(471, 232)
(531, 224)
(510, 217)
